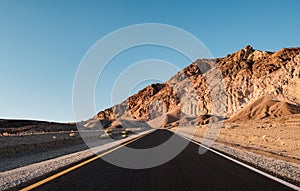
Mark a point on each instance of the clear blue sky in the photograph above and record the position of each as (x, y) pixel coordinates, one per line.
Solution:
(43, 42)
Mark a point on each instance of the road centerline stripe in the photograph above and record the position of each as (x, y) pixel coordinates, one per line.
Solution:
(52, 177)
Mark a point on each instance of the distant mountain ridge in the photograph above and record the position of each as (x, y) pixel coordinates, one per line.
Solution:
(247, 75)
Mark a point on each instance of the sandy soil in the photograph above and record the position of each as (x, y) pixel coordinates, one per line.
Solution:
(21, 146)
(275, 137)
(22, 149)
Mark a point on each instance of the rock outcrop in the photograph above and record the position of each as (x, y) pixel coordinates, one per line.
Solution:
(234, 82)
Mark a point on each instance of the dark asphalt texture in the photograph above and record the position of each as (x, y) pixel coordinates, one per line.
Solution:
(187, 171)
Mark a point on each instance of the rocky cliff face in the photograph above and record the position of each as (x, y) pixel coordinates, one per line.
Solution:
(234, 81)
(250, 74)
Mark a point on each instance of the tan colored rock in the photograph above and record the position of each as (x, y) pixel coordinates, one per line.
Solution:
(247, 75)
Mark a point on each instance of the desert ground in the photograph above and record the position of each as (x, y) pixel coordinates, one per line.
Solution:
(276, 137)
(24, 142)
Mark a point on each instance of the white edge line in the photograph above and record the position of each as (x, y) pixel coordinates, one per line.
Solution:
(243, 164)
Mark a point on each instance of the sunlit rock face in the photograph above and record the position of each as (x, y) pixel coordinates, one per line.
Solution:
(233, 82)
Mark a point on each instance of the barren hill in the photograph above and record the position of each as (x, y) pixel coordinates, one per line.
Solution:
(265, 107)
(247, 75)
(15, 126)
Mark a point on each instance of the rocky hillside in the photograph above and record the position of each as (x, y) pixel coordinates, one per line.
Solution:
(246, 76)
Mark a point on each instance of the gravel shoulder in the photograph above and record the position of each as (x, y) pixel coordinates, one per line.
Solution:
(14, 177)
(288, 171)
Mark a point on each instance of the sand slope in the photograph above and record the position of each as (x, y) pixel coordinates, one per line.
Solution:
(265, 107)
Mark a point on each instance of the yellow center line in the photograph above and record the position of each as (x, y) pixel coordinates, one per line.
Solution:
(37, 184)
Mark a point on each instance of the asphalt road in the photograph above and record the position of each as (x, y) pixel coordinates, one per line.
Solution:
(187, 171)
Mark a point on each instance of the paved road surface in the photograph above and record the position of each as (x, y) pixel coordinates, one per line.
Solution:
(187, 171)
